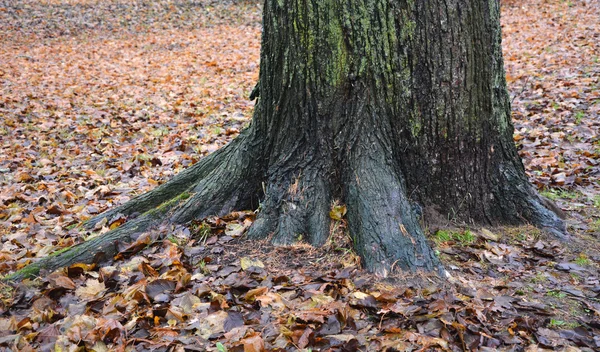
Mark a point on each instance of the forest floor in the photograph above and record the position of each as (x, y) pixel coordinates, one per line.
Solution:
(103, 100)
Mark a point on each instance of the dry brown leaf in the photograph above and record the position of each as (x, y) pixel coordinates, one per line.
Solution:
(92, 289)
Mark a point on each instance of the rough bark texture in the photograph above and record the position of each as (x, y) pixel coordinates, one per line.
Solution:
(380, 104)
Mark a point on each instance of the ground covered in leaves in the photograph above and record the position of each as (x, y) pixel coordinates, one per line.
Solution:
(103, 100)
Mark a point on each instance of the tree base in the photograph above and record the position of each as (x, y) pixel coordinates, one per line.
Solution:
(376, 104)
(383, 225)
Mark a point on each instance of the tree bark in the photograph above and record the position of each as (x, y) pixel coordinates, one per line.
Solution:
(380, 104)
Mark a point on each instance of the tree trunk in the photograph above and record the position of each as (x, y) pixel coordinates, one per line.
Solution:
(380, 104)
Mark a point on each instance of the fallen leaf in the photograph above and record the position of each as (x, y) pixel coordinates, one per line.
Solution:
(337, 212)
(247, 262)
(92, 289)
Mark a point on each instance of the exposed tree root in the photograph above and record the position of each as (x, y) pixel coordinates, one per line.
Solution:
(386, 232)
(180, 183)
(298, 209)
(96, 249)
(520, 201)
(547, 216)
(382, 223)
(391, 97)
(234, 184)
(219, 183)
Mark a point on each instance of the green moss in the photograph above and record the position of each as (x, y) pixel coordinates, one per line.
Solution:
(315, 28)
(409, 26)
(32, 270)
(72, 226)
(185, 195)
(60, 251)
(365, 23)
(336, 70)
(164, 207)
(415, 128)
(181, 197)
(29, 271)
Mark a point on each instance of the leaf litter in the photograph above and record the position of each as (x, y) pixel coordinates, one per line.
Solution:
(103, 100)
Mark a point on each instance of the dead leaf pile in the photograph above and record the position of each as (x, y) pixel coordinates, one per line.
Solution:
(552, 59)
(210, 289)
(103, 100)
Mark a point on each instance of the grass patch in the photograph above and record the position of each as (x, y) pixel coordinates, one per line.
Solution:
(539, 278)
(583, 260)
(556, 294)
(202, 266)
(524, 291)
(561, 324)
(597, 201)
(6, 293)
(525, 233)
(464, 238)
(579, 115)
(557, 193)
(442, 236)
(201, 231)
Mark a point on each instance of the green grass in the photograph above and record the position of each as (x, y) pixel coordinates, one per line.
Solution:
(556, 324)
(539, 278)
(159, 132)
(203, 231)
(556, 294)
(583, 260)
(442, 236)
(202, 266)
(597, 201)
(554, 194)
(579, 115)
(525, 290)
(464, 238)
(173, 240)
(221, 347)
